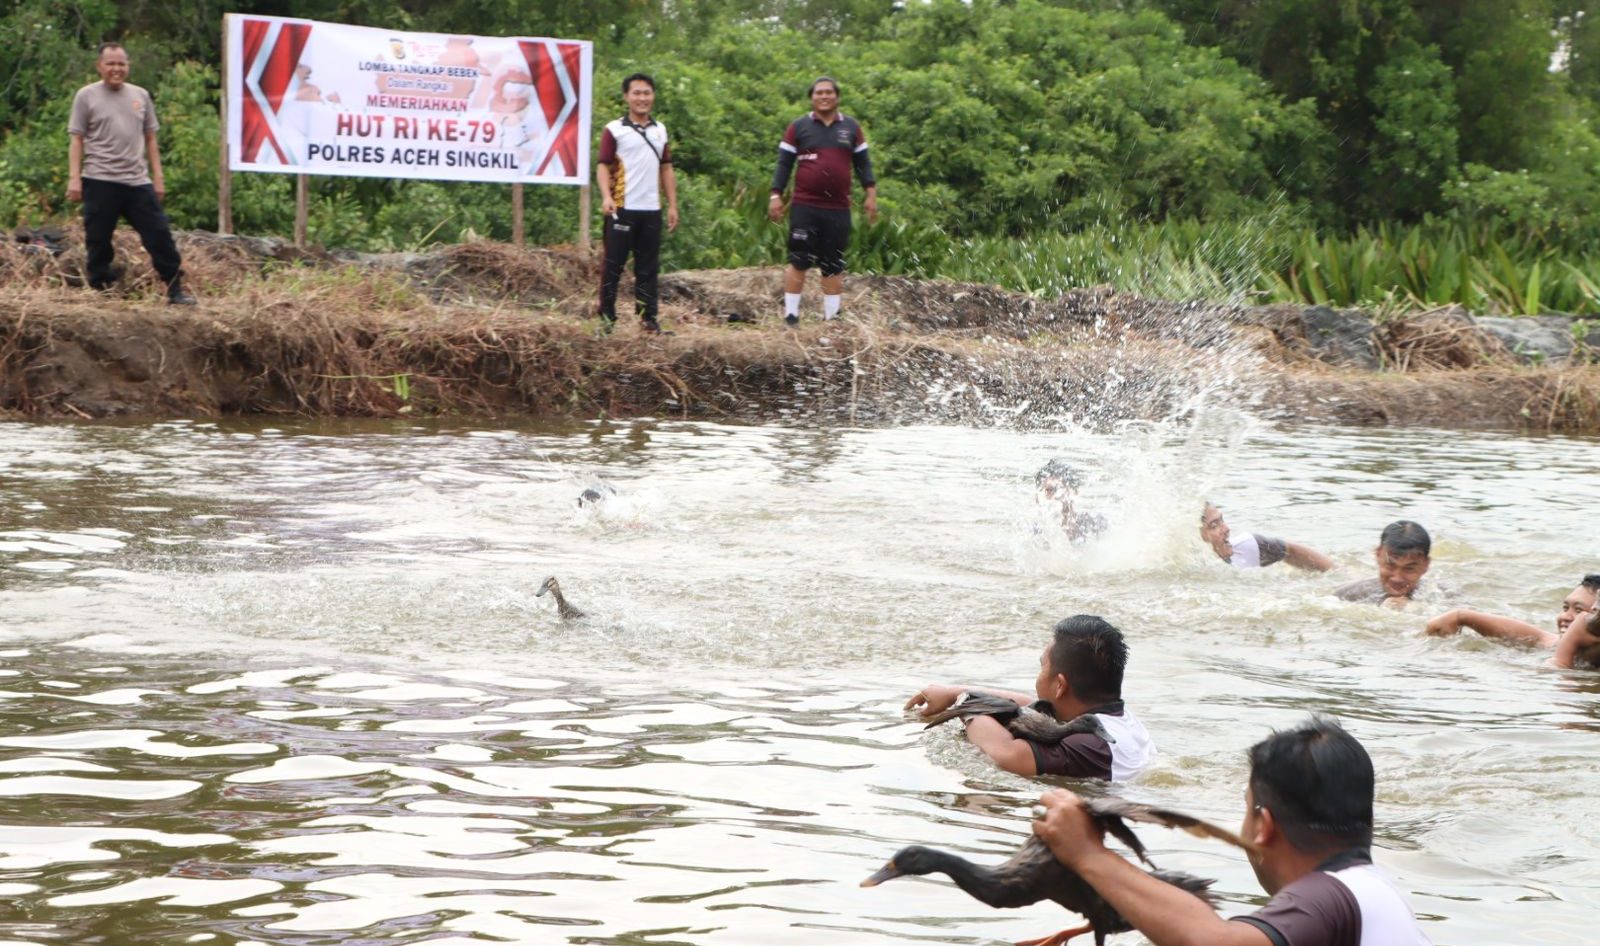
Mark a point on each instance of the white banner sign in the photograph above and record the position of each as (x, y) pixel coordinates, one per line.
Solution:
(320, 98)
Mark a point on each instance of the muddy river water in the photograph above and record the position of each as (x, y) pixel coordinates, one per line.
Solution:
(292, 685)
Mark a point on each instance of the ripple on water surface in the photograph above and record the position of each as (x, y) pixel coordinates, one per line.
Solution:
(295, 686)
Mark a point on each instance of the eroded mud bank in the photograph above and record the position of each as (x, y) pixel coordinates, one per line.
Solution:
(492, 330)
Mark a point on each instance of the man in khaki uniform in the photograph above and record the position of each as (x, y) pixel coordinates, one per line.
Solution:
(113, 130)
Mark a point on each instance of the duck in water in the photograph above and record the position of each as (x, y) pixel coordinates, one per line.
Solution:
(594, 495)
(1036, 722)
(567, 610)
(1033, 873)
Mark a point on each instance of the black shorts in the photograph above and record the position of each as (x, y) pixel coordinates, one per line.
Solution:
(817, 237)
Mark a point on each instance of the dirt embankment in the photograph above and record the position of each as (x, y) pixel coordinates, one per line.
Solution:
(493, 330)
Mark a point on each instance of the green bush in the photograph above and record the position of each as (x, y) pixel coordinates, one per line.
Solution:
(1392, 150)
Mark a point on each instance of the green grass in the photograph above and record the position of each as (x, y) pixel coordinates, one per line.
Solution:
(1272, 258)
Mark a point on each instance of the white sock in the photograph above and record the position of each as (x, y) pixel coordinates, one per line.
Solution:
(791, 303)
(830, 307)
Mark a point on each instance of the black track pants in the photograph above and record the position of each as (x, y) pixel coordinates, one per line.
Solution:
(637, 232)
(106, 202)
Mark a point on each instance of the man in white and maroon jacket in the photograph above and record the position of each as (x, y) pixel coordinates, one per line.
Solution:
(826, 144)
(635, 173)
(1255, 551)
(1080, 672)
(1308, 811)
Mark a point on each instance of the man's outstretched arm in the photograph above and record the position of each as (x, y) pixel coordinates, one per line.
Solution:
(1310, 559)
(1165, 914)
(1490, 625)
(935, 698)
(987, 733)
(1007, 751)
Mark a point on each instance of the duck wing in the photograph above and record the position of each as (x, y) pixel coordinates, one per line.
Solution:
(1052, 879)
(1037, 724)
(1033, 874)
(1073, 892)
(974, 703)
(1113, 814)
(1105, 920)
(1199, 886)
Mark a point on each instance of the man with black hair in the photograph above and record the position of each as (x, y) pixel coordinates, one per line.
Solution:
(635, 172)
(1577, 636)
(1308, 814)
(826, 144)
(1402, 557)
(1080, 671)
(1255, 551)
(1058, 484)
(112, 132)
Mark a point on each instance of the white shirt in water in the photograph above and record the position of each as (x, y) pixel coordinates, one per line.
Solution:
(1246, 553)
(1386, 919)
(1132, 752)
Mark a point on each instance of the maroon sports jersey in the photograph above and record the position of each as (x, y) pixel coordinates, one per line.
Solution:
(826, 155)
(1346, 901)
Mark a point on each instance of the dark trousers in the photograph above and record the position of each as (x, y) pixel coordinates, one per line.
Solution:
(817, 237)
(637, 232)
(106, 202)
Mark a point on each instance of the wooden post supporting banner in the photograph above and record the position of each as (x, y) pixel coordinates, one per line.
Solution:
(301, 202)
(583, 216)
(225, 178)
(516, 214)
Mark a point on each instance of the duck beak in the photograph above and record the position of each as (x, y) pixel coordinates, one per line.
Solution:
(886, 872)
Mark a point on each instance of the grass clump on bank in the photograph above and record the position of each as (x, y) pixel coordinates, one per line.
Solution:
(486, 329)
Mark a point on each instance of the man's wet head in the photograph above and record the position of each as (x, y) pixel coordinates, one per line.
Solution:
(1058, 480)
(1580, 603)
(1214, 529)
(1402, 557)
(1310, 796)
(1083, 665)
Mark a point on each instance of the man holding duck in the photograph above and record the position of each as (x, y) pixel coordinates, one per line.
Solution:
(1080, 673)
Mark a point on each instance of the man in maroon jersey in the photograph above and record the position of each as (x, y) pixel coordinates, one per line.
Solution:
(1308, 816)
(826, 144)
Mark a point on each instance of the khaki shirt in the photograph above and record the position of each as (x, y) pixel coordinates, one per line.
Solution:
(113, 125)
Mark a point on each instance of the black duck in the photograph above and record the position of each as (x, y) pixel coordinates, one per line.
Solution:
(567, 610)
(1035, 722)
(595, 495)
(1033, 873)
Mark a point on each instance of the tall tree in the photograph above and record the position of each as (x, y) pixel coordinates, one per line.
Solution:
(1578, 31)
(43, 44)
(1500, 52)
